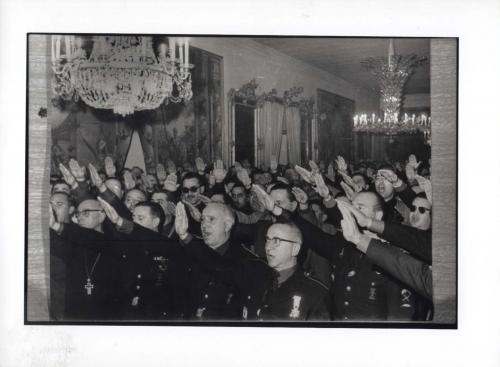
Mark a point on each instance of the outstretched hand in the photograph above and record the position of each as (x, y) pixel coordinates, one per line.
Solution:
(77, 171)
(109, 166)
(128, 180)
(170, 183)
(341, 164)
(361, 219)
(219, 172)
(349, 228)
(111, 213)
(161, 173)
(389, 175)
(200, 165)
(95, 178)
(349, 192)
(314, 167)
(181, 221)
(300, 195)
(305, 174)
(273, 164)
(52, 218)
(195, 212)
(67, 176)
(412, 160)
(171, 168)
(264, 198)
(330, 172)
(243, 176)
(321, 187)
(426, 185)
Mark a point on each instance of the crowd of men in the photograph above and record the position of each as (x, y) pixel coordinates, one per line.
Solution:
(327, 242)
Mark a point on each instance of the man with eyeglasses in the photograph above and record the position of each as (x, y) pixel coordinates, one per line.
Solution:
(296, 296)
(91, 277)
(361, 290)
(228, 281)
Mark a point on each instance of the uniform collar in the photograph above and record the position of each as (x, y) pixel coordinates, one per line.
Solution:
(285, 274)
(222, 249)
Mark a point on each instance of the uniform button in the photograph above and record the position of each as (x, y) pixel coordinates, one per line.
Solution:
(206, 296)
(139, 276)
(210, 283)
(124, 256)
(346, 318)
(138, 287)
(373, 284)
(346, 303)
(348, 288)
(249, 297)
(351, 273)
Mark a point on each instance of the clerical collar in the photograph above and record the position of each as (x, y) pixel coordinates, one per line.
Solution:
(283, 275)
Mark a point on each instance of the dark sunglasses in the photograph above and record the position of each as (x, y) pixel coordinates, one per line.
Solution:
(421, 209)
(192, 189)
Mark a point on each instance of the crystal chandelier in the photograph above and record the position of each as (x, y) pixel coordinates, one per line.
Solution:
(392, 74)
(121, 73)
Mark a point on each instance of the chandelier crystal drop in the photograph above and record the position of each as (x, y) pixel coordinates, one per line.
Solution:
(121, 73)
(392, 73)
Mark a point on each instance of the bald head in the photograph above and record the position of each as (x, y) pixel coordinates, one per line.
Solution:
(217, 220)
(114, 185)
(90, 214)
(369, 204)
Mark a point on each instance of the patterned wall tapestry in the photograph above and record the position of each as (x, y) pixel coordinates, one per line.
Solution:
(180, 132)
(334, 125)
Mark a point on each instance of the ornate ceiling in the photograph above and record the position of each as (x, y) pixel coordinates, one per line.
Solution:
(342, 56)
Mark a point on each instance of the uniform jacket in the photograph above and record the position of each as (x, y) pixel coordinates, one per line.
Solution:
(362, 291)
(300, 297)
(415, 273)
(227, 284)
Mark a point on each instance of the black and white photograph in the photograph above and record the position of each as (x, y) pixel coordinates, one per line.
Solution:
(249, 183)
(247, 180)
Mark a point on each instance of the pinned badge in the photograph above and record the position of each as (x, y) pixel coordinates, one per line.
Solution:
(135, 301)
(245, 312)
(351, 273)
(199, 312)
(405, 298)
(295, 313)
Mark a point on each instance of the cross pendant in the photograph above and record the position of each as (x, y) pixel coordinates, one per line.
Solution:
(89, 286)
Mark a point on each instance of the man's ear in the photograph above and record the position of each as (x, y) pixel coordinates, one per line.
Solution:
(294, 205)
(379, 215)
(202, 189)
(295, 249)
(156, 222)
(228, 225)
(102, 216)
(71, 210)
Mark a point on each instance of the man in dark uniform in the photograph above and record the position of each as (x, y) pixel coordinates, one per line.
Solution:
(361, 290)
(144, 296)
(228, 281)
(296, 295)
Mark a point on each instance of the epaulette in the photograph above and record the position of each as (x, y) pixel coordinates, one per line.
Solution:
(315, 280)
